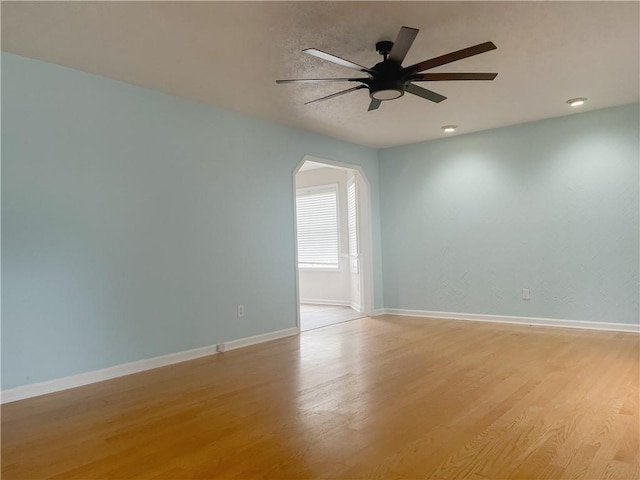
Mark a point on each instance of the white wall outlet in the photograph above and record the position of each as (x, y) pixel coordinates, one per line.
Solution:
(525, 294)
(240, 311)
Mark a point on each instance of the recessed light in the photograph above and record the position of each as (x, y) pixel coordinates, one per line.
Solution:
(449, 128)
(576, 102)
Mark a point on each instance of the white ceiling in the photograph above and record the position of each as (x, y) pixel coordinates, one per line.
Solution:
(229, 54)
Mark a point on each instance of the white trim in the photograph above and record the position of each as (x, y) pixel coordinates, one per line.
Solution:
(356, 307)
(264, 337)
(338, 303)
(315, 301)
(64, 383)
(58, 384)
(543, 322)
(379, 311)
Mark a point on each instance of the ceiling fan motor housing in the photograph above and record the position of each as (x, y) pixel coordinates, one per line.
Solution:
(387, 82)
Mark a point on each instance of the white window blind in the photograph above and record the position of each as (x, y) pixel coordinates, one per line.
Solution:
(317, 223)
(352, 217)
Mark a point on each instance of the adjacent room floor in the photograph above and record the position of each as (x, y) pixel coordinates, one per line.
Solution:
(389, 398)
(316, 316)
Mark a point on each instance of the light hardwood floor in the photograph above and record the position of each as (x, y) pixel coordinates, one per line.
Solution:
(316, 316)
(387, 398)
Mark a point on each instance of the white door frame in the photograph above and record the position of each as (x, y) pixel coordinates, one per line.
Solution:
(365, 230)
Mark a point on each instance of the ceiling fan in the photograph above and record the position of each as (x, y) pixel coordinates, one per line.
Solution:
(388, 80)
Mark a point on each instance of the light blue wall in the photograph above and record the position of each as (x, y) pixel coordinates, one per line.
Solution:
(134, 222)
(551, 206)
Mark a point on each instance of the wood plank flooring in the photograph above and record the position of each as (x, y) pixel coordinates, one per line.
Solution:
(383, 398)
(316, 316)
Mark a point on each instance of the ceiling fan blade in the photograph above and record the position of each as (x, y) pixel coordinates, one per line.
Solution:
(374, 104)
(334, 59)
(424, 93)
(439, 77)
(450, 57)
(318, 80)
(349, 90)
(403, 43)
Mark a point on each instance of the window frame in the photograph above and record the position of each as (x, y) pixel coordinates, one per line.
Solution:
(310, 191)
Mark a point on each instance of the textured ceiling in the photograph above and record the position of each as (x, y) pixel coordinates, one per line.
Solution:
(229, 54)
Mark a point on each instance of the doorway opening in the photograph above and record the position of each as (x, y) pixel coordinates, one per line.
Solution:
(333, 243)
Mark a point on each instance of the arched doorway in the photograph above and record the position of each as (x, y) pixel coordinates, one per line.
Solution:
(334, 275)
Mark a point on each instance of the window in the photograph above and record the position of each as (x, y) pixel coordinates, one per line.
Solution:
(352, 216)
(317, 223)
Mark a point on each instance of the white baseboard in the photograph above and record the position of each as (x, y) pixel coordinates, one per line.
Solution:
(340, 303)
(264, 337)
(356, 307)
(50, 386)
(543, 322)
(379, 311)
(58, 384)
(315, 301)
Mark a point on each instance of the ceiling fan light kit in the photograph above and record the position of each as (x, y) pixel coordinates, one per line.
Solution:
(386, 93)
(388, 80)
(386, 90)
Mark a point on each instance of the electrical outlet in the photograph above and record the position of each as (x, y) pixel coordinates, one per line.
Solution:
(240, 311)
(525, 294)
